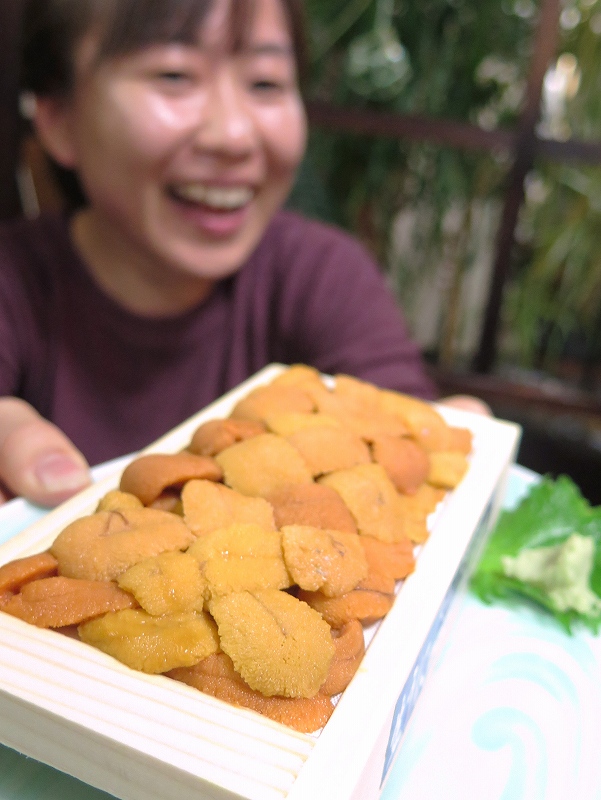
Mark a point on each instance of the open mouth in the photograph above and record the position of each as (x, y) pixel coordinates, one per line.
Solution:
(215, 198)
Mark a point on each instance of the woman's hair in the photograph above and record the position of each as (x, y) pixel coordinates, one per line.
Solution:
(53, 28)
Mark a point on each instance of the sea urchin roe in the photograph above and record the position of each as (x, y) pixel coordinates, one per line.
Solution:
(153, 644)
(209, 506)
(57, 602)
(217, 665)
(425, 424)
(286, 424)
(23, 570)
(447, 468)
(349, 643)
(367, 603)
(311, 504)
(240, 557)
(364, 409)
(304, 714)
(262, 465)
(360, 393)
(419, 505)
(372, 499)
(327, 449)
(149, 475)
(278, 644)
(169, 583)
(298, 375)
(215, 435)
(460, 439)
(406, 463)
(118, 501)
(394, 559)
(265, 401)
(102, 546)
(364, 420)
(331, 561)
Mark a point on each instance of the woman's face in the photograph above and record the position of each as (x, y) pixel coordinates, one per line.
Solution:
(185, 152)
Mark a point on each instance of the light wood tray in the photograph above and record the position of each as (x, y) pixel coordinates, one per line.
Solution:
(143, 737)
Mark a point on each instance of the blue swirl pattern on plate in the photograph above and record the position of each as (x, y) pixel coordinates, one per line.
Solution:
(510, 711)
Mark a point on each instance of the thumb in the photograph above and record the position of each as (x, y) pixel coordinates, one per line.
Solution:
(37, 460)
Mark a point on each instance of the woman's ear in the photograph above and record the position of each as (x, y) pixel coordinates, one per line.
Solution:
(53, 122)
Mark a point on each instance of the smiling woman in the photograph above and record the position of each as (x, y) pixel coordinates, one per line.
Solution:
(178, 276)
(179, 149)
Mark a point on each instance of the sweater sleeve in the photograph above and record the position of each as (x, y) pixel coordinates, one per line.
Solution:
(26, 307)
(11, 320)
(338, 313)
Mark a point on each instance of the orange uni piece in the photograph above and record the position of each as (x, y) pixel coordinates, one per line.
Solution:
(364, 603)
(17, 573)
(349, 646)
(406, 463)
(58, 602)
(265, 401)
(394, 559)
(217, 434)
(304, 714)
(311, 504)
(148, 476)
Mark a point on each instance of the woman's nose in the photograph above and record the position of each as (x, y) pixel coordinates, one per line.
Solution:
(226, 124)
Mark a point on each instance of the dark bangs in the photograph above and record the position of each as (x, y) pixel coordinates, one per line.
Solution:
(138, 23)
(52, 29)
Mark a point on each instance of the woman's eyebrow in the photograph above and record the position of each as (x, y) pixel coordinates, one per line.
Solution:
(269, 48)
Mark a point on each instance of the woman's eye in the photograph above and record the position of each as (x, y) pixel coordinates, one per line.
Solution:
(268, 85)
(169, 80)
(173, 77)
(263, 84)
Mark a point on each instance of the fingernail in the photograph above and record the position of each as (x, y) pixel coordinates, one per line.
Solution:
(56, 472)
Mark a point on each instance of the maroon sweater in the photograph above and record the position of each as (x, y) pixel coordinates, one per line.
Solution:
(114, 381)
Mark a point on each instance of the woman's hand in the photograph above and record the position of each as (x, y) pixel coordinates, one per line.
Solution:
(37, 461)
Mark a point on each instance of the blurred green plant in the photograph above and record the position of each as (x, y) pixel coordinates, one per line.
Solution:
(554, 300)
(458, 59)
(463, 60)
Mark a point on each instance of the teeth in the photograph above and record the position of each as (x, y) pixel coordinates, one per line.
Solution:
(219, 197)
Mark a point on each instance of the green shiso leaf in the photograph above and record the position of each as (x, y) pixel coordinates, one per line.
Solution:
(548, 515)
